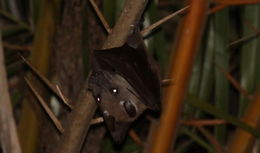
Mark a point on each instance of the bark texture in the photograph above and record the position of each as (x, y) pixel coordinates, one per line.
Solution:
(8, 133)
(67, 64)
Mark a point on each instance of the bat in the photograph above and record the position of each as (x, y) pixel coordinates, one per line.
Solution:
(124, 84)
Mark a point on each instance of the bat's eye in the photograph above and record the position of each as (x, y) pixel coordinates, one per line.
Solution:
(129, 108)
(98, 98)
(114, 90)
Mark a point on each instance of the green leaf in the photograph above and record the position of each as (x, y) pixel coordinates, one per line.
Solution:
(221, 59)
(197, 139)
(210, 109)
(15, 20)
(250, 55)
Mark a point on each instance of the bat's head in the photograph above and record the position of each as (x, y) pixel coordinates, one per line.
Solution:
(118, 101)
(124, 85)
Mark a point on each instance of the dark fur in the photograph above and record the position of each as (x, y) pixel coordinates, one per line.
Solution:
(142, 81)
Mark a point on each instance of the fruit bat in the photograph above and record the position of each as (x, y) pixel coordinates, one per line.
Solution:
(124, 83)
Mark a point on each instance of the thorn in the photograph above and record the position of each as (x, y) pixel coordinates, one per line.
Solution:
(161, 21)
(149, 118)
(203, 122)
(97, 120)
(166, 82)
(16, 47)
(212, 139)
(236, 2)
(243, 39)
(64, 99)
(101, 17)
(136, 138)
(235, 83)
(217, 8)
(47, 82)
(255, 33)
(53, 118)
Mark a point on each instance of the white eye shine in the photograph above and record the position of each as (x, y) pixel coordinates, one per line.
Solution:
(98, 99)
(114, 90)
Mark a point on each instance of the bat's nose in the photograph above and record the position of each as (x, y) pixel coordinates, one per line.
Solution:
(130, 108)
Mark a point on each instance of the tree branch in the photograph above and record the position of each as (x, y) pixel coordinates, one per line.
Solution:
(8, 132)
(126, 23)
(187, 44)
(79, 119)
